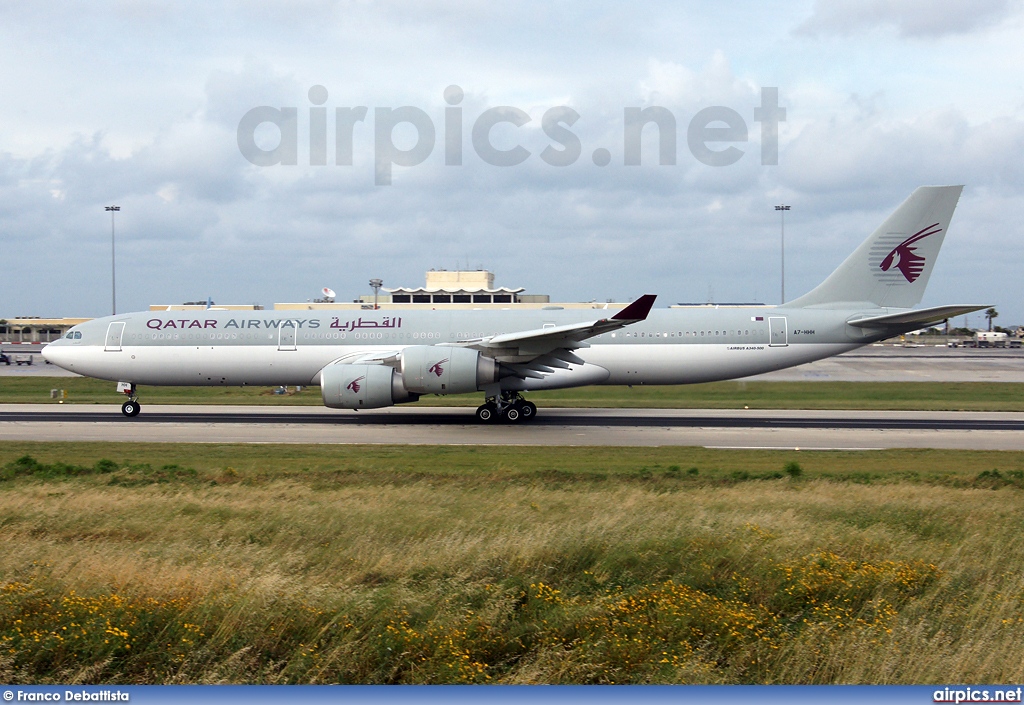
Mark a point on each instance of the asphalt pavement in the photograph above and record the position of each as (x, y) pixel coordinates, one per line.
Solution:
(807, 430)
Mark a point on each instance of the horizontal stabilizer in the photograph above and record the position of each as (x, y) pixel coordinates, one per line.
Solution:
(919, 317)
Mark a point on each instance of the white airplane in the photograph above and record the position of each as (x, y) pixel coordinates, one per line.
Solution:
(377, 359)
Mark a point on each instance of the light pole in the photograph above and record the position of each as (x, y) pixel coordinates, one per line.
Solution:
(376, 284)
(113, 276)
(782, 213)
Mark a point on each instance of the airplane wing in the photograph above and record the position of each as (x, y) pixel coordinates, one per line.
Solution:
(920, 317)
(532, 353)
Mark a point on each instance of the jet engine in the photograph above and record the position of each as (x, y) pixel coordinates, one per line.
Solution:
(362, 387)
(437, 369)
(422, 369)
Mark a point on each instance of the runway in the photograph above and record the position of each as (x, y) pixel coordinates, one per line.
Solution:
(853, 430)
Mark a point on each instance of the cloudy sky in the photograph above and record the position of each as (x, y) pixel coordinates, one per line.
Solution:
(138, 104)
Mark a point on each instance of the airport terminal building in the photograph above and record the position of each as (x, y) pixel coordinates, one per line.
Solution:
(466, 289)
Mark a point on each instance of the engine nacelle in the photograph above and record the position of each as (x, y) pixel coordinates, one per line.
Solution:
(438, 369)
(362, 387)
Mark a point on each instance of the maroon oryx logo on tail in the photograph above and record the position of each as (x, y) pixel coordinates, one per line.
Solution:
(354, 385)
(905, 259)
(436, 367)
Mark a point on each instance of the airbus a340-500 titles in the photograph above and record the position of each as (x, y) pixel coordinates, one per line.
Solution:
(374, 360)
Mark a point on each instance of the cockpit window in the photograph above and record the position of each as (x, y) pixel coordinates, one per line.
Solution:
(78, 335)
(70, 335)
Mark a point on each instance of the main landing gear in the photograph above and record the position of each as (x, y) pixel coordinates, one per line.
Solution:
(130, 408)
(508, 407)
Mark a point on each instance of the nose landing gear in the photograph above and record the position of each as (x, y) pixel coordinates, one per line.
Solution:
(509, 407)
(131, 407)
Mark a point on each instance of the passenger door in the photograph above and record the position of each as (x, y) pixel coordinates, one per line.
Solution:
(777, 332)
(286, 335)
(114, 333)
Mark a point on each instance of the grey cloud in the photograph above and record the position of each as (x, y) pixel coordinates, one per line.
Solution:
(229, 94)
(199, 220)
(878, 154)
(911, 18)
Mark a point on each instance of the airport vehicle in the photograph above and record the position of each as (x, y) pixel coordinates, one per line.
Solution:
(380, 358)
(4, 360)
(22, 359)
(990, 339)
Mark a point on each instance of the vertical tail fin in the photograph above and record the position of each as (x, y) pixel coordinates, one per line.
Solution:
(891, 268)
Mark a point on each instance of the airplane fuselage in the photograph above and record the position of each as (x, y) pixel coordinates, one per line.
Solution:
(232, 348)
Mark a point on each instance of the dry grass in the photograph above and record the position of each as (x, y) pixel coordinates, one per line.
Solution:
(236, 576)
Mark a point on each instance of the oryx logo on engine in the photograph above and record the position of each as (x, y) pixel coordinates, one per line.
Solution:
(354, 385)
(436, 367)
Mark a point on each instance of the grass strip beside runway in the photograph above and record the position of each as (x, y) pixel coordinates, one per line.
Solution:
(924, 396)
(220, 563)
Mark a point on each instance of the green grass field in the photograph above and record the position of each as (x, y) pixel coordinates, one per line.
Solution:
(952, 396)
(159, 563)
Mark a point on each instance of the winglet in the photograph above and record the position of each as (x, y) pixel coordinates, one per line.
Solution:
(638, 310)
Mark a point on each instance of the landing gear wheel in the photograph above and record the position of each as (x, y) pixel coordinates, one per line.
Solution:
(527, 409)
(512, 414)
(131, 408)
(487, 413)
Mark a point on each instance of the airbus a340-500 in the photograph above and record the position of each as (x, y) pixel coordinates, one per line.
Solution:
(377, 359)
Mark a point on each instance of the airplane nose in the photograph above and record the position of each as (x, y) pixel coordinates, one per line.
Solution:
(59, 355)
